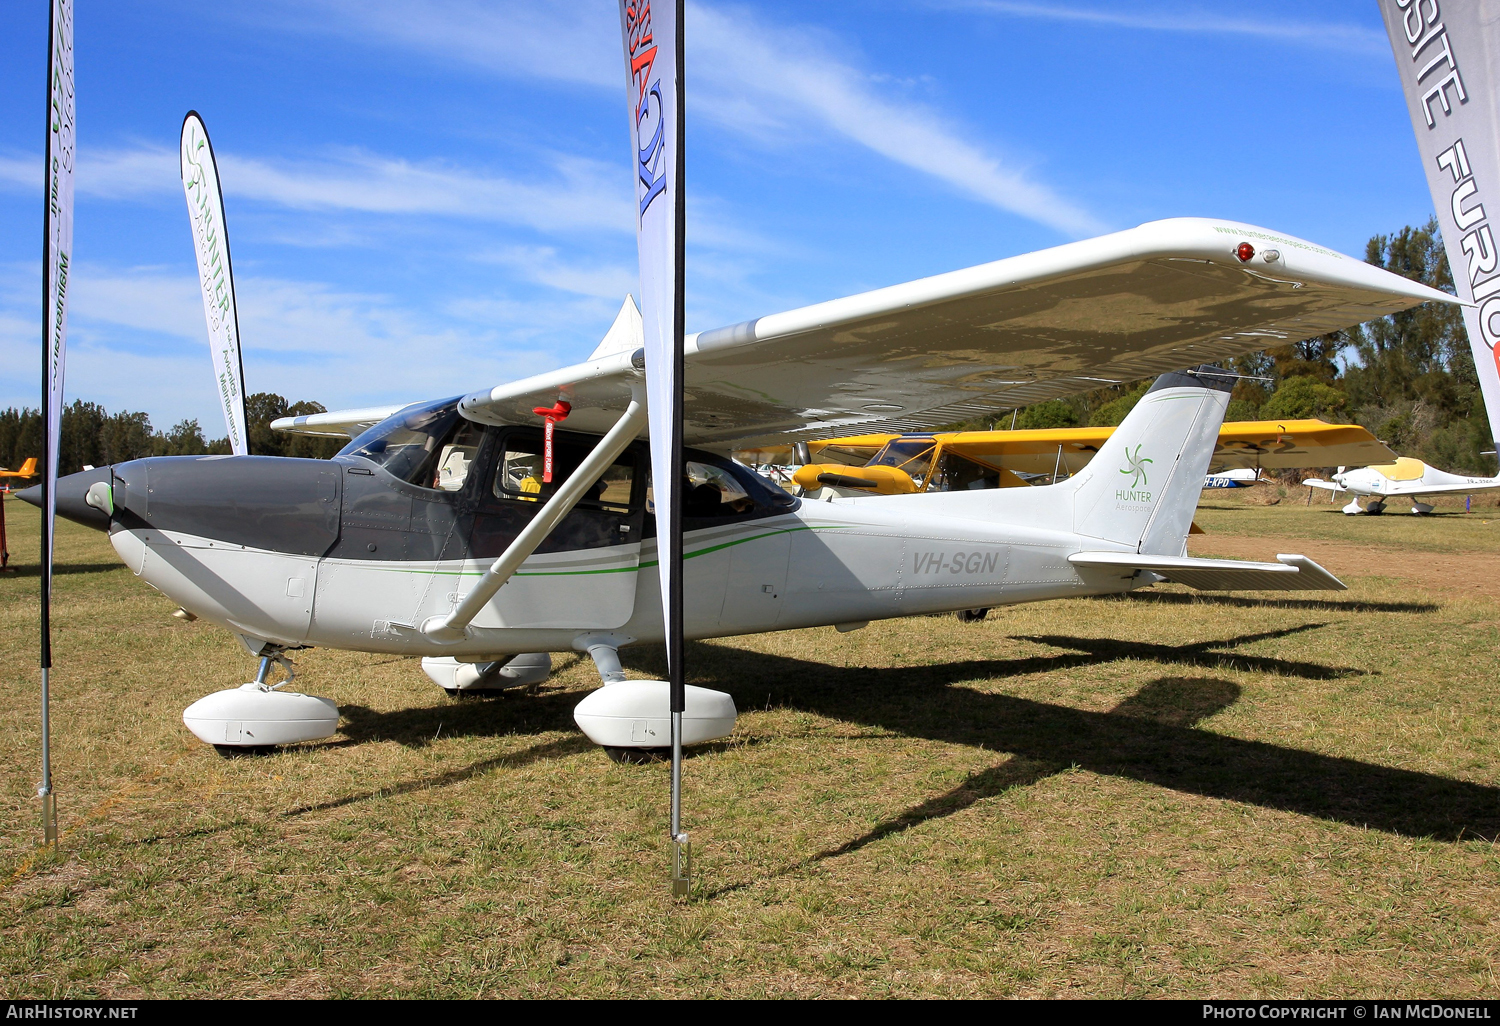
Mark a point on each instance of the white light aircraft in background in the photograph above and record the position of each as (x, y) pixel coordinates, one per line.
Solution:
(1406, 478)
(436, 533)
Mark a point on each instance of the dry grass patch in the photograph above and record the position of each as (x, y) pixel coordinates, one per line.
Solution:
(1169, 794)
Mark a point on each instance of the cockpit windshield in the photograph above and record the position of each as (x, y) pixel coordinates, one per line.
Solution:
(913, 455)
(408, 445)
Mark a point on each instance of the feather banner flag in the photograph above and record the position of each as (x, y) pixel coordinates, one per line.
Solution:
(1449, 62)
(205, 202)
(649, 29)
(57, 260)
(651, 32)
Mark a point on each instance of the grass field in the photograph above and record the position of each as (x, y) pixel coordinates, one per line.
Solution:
(1165, 795)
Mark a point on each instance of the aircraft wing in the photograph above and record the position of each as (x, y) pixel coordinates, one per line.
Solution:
(337, 423)
(1243, 445)
(1327, 486)
(1289, 573)
(1416, 488)
(1282, 445)
(1165, 295)
(1274, 445)
(1159, 297)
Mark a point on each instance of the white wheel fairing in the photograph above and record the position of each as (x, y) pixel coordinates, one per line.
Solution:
(254, 716)
(633, 714)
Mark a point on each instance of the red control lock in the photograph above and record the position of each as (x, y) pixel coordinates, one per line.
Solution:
(550, 416)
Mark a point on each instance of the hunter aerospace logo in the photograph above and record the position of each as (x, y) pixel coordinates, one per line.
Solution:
(1135, 469)
(650, 124)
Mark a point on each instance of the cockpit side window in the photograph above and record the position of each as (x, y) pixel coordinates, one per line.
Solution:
(717, 491)
(521, 475)
(913, 455)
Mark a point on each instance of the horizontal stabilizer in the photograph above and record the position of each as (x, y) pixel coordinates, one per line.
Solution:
(1291, 573)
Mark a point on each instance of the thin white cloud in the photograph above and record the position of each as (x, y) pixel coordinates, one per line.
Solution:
(137, 340)
(746, 63)
(1325, 35)
(542, 265)
(568, 40)
(23, 171)
(579, 194)
(583, 195)
(750, 75)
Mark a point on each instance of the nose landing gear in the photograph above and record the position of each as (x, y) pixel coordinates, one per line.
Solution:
(257, 717)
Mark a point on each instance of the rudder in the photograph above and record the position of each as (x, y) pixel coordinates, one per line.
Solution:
(1142, 487)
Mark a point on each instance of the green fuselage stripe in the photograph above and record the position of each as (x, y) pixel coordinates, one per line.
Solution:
(615, 569)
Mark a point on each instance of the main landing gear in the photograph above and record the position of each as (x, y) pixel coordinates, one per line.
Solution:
(256, 717)
(629, 719)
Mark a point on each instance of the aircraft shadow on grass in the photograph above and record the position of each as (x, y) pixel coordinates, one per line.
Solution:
(61, 569)
(1328, 605)
(1151, 737)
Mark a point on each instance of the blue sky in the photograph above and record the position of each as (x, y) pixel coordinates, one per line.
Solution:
(432, 197)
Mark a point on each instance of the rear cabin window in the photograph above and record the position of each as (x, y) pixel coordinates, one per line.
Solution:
(957, 473)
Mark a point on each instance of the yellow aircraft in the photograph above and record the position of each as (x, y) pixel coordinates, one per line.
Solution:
(28, 469)
(950, 461)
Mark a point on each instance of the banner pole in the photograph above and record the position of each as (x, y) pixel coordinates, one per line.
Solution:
(681, 847)
(44, 789)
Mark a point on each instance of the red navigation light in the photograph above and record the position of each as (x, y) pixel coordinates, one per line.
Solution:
(1244, 251)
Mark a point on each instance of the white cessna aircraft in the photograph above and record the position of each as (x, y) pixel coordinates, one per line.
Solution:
(437, 532)
(1407, 478)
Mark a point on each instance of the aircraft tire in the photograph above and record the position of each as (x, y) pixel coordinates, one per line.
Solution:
(240, 751)
(636, 756)
(972, 615)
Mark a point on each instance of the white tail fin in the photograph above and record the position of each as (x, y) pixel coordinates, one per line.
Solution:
(1143, 485)
(625, 335)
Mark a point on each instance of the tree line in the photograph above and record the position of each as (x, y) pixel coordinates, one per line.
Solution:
(92, 436)
(1408, 378)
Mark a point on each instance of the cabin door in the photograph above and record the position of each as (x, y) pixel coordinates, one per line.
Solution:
(583, 576)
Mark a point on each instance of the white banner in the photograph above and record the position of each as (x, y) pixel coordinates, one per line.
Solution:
(61, 144)
(649, 29)
(205, 202)
(1447, 63)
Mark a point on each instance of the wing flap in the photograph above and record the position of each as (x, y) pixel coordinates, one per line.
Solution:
(1289, 573)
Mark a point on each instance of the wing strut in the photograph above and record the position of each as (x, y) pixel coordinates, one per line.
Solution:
(454, 626)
